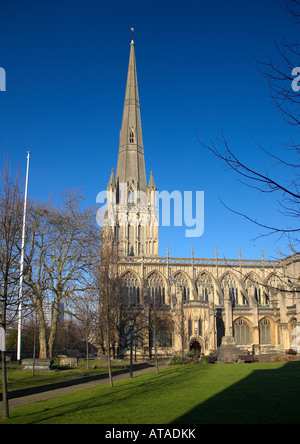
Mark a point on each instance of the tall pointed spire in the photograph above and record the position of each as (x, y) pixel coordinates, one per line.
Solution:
(134, 214)
(131, 163)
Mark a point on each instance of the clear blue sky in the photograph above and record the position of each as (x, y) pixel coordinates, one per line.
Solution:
(66, 66)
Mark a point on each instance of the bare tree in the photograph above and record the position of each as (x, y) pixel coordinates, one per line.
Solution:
(180, 326)
(85, 311)
(107, 287)
(289, 195)
(10, 241)
(280, 77)
(158, 319)
(133, 321)
(293, 8)
(68, 335)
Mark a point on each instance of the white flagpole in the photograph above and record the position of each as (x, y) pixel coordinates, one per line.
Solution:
(22, 266)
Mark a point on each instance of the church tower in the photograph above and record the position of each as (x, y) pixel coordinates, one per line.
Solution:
(135, 230)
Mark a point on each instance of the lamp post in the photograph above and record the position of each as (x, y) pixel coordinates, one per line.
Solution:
(212, 290)
(131, 325)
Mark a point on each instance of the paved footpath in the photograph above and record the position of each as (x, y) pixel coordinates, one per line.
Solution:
(52, 393)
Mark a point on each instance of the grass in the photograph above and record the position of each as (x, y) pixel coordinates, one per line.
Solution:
(195, 394)
(23, 379)
(20, 379)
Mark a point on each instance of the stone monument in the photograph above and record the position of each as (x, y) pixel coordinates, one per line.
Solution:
(228, 352)
(39, 364)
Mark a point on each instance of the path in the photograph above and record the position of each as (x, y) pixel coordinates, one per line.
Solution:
(73, 386)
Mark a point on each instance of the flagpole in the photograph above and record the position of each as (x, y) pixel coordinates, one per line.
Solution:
(22, 266)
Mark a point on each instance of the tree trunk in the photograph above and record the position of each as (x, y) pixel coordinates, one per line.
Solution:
(182, 350)
(42, 333)
(34, 344)
(131, 355)
(53, 329)
(111, 384)
(87, 351)
(155, 349)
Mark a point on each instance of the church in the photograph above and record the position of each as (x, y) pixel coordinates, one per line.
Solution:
(253, 303)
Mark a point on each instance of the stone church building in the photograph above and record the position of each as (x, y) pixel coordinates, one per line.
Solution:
(254, 302)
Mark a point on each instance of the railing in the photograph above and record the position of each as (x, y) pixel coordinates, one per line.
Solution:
(294, 258)
(210, 261)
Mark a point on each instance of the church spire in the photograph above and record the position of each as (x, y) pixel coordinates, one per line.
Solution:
(134, 214)
(131, 163)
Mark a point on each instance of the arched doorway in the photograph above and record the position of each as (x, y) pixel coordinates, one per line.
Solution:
(195, 346)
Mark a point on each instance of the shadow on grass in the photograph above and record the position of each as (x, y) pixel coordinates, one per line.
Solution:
(75, 380)
(93, 405)
(264, 397)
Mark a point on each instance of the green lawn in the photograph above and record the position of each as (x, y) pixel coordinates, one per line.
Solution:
(190, 394)
(19, 379)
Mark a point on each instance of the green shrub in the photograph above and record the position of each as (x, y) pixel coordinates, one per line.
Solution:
(176, 360)
(188, 358)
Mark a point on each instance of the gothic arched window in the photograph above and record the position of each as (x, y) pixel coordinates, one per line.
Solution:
(131, 290)
(242, 332)
(163, 336)
(198, 327)
(131, 136)
(253, 288)
(294, 334)
(230, 286)
(274, 285)
(265, 331)
(155, 289)
(204, 287)
(131, 196)
(182, 288)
